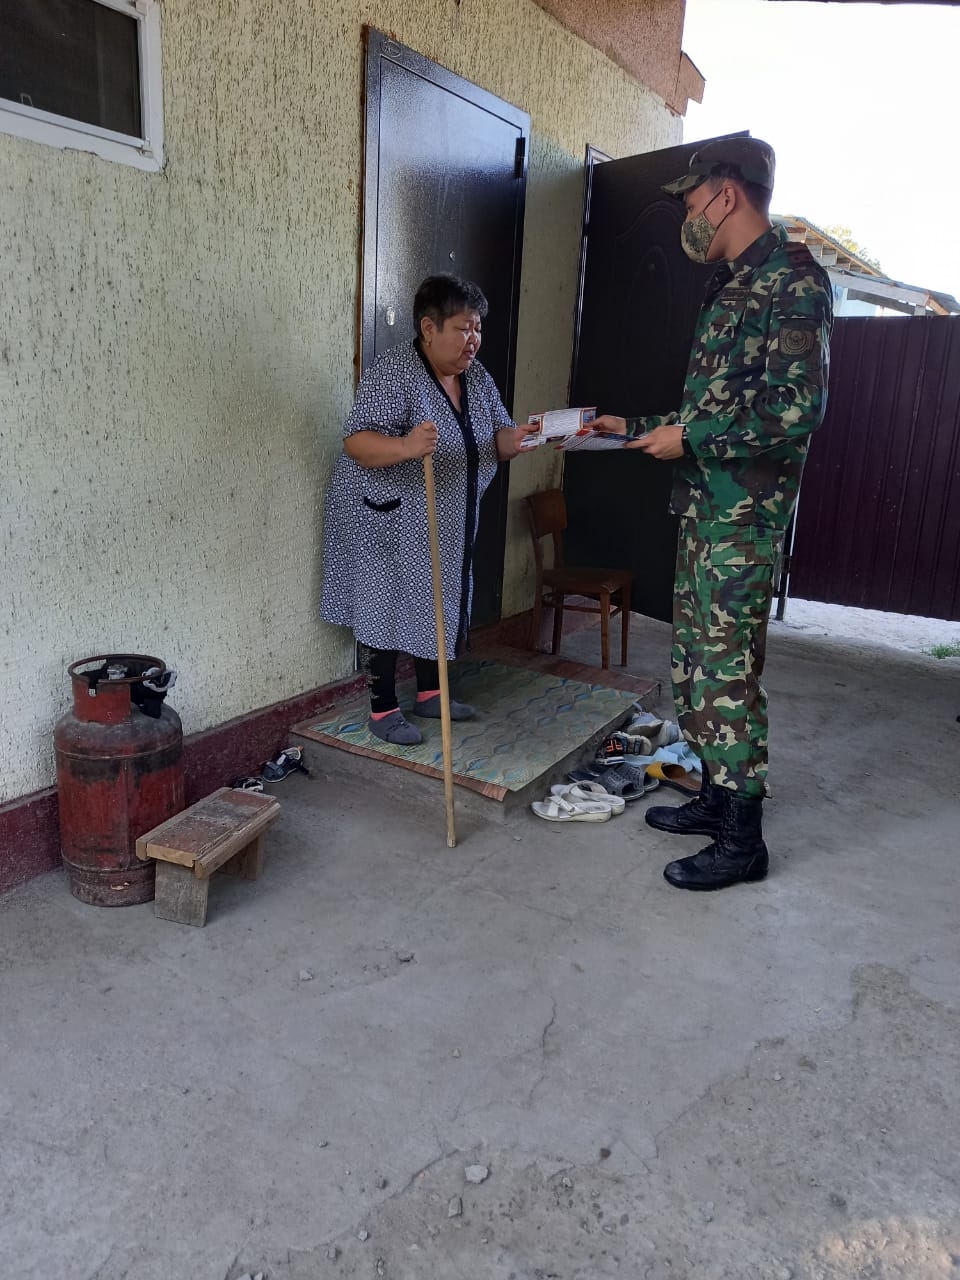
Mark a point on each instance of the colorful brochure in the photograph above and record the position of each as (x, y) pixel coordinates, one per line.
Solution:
(569, 429)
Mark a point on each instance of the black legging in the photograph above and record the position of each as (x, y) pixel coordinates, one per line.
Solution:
(380, 668)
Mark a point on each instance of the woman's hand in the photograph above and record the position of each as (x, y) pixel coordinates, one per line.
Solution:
(421, 440)
(510, 441)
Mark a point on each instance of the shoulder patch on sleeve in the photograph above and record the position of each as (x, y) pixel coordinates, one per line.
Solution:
(798, 340)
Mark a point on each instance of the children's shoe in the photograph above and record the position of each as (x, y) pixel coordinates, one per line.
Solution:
(614, 749)
(285, 762)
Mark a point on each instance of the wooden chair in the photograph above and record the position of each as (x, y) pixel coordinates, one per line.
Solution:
(548, 517)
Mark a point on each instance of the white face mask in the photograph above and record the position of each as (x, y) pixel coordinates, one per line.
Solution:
(696, 235)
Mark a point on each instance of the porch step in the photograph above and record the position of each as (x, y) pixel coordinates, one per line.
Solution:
(383, 774)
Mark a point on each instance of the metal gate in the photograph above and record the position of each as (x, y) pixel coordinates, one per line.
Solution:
(878, 522)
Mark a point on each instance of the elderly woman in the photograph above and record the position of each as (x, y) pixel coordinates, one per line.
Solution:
(431, 396)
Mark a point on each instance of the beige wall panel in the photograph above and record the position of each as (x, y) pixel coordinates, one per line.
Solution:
(176, 349)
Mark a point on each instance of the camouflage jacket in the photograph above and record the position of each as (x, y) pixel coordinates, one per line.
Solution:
(756, 386)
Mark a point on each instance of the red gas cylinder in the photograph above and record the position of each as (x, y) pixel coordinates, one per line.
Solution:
(119, 773)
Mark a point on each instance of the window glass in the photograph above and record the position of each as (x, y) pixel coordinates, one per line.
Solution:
(75, 58)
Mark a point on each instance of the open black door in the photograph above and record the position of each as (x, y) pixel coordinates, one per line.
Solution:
(638, 305)
(444, 187)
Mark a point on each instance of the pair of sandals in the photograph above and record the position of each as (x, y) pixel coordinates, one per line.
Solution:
(578, 802)
(590, 791)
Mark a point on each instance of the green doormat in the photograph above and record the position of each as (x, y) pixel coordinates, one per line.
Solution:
(526, 722)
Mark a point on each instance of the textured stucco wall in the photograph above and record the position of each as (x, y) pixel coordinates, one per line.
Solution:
(176, 350)
(642, 36)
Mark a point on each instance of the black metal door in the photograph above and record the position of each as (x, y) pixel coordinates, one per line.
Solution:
(445, 180)
(638, 305)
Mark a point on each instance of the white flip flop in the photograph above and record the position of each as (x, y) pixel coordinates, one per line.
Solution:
(589, 791)
(560, 809)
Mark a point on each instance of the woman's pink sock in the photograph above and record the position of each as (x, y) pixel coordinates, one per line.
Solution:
(424, 695)
(382, 715)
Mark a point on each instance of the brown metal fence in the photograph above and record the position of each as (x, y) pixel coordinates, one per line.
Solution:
(878, 523)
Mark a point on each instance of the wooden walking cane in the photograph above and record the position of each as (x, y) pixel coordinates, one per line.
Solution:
(445, 731)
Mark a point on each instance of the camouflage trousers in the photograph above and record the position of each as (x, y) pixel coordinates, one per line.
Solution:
(722, 595)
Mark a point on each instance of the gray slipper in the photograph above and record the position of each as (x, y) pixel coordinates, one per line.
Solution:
(429, 708)
(625, 780)
(395, 729)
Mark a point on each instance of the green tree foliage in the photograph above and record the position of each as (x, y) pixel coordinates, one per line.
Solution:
(845, 236)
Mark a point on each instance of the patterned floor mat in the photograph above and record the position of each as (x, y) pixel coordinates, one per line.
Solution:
(526, 723)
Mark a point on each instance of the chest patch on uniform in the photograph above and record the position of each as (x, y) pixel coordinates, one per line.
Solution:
(798, 340)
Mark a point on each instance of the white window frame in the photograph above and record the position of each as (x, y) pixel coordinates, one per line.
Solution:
(25, 121)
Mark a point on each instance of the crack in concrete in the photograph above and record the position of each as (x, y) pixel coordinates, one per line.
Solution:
(549, 1026)
(454, 881)
(551, 1022)
(529, 906)
(55, 1148)
(424, 1169)
(98, 1273)
(517, 1059)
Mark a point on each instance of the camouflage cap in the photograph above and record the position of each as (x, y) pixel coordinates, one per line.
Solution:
(754, 159)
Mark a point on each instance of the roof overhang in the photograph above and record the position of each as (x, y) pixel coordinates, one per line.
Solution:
(861, 279)
(891, 294)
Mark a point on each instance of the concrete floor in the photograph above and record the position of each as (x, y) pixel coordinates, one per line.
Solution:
(759, 1084)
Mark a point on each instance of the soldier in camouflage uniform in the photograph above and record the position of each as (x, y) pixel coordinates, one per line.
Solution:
(755, 390)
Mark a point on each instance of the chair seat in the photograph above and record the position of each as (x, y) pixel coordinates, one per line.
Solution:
(583, 580)
(610, 588)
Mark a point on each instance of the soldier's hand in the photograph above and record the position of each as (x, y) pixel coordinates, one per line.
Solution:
(610, 423)
(422, 439)
(661, 443)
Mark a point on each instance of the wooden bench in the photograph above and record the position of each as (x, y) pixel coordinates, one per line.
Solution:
(225, 831)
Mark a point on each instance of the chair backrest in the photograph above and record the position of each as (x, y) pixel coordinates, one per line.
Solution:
(548, 517)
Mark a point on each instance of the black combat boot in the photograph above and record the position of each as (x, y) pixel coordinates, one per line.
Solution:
(698, 817)
(738, 853)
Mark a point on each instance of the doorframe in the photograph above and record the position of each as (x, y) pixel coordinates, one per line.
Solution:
(592, 157)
